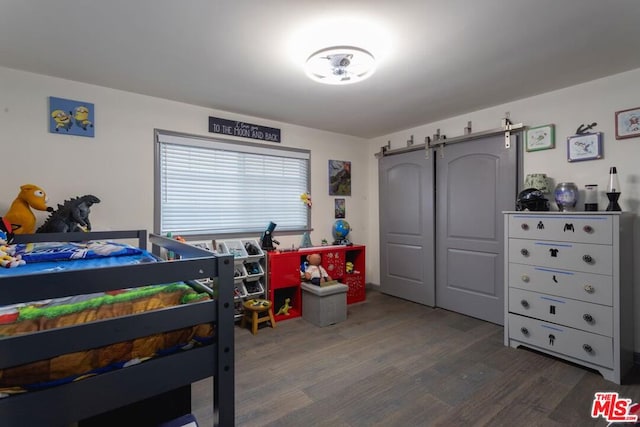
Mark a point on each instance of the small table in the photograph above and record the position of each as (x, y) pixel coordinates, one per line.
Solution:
(252, 310)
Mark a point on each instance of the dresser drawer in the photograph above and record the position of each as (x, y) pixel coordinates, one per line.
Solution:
(593, 348)
(596, 259)
(566, 228)
(577, 314)
(595, 288)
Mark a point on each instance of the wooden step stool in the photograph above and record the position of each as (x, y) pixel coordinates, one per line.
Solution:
(252, 310)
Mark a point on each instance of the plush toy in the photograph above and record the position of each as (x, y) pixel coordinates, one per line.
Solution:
(20, 216)
(314, 272)
(71, 216)
(8, 257)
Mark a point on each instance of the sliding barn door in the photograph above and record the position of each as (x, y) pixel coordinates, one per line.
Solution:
(406, 226)
(475, 182)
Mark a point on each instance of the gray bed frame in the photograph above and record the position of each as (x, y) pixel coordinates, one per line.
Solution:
(68, 403)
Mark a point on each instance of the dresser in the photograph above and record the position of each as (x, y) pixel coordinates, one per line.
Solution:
(568, 287)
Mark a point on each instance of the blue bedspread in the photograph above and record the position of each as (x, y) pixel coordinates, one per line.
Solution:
(53, 256)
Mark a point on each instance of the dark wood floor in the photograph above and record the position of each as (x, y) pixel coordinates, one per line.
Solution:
(396, 363)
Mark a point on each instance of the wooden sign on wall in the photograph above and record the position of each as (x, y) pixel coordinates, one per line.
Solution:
(243, 129)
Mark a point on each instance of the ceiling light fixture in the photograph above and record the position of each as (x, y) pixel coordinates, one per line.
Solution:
(340, 65)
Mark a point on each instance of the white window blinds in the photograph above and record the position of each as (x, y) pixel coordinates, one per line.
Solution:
(209, 186)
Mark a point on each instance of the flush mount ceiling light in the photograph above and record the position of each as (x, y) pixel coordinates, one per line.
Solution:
(340, 65)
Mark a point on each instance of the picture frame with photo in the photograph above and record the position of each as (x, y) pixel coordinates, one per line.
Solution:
(628, 123)
(340, 208)
(540, 138)
(587, 146)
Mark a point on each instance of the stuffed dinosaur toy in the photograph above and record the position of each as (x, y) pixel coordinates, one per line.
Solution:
(20, 216)
(71, 216)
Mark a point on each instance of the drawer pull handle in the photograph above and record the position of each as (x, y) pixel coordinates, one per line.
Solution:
(525, 227)
(525, 278)
(524, 252)
(588, 229)
(524, 331)
(524, 303)
(588, 318)
(589, 289)
(587, 348)
(587, 258)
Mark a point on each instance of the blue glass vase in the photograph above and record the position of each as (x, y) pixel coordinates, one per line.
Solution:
(566, 195)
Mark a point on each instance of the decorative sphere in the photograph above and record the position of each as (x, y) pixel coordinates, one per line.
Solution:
(341, 229)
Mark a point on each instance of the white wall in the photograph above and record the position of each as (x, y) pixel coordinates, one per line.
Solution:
(117, 165)
(567, 108)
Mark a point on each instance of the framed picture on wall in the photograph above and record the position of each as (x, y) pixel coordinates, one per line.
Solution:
(339, 178)
(628, 123)
(587, 146)
(69, 117)
(340, 208)
(540, 138)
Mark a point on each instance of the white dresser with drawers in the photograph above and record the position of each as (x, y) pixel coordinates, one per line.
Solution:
(568, 287)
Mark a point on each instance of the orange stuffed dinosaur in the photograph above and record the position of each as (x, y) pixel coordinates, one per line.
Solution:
(20, 216)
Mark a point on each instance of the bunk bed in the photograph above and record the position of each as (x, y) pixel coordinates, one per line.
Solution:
(62, 405)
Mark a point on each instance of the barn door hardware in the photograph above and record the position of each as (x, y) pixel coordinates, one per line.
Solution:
(438, 140)
(508, 126)
(427, 147)
(410, 141)
(383, 150)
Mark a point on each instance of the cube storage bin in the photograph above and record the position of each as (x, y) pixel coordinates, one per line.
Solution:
(324, 305)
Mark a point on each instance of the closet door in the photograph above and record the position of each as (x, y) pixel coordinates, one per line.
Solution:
(406, 226)
(475, 182)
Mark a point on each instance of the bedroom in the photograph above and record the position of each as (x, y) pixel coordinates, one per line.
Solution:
(117, 164)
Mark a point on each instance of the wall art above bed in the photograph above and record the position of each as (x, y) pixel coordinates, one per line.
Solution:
(69, 117)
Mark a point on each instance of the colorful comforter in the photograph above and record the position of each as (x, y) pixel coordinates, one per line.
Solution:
(69, 367)
(53, 313)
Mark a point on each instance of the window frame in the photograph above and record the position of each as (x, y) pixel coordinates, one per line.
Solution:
(244, 146)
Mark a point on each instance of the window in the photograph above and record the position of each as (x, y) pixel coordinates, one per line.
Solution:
(211, 186)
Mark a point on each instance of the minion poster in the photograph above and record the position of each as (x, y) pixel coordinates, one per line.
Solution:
(69, 117)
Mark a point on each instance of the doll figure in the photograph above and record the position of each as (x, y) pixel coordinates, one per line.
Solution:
(314, 272)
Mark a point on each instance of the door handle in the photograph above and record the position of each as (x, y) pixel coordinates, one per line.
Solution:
(524, 252)
(588, 259)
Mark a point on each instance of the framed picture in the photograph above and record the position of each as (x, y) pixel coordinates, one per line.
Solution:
(540, 138)
(340, 210)
(628, 123)
(69, 117)
(586, 146)
(339, 178)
